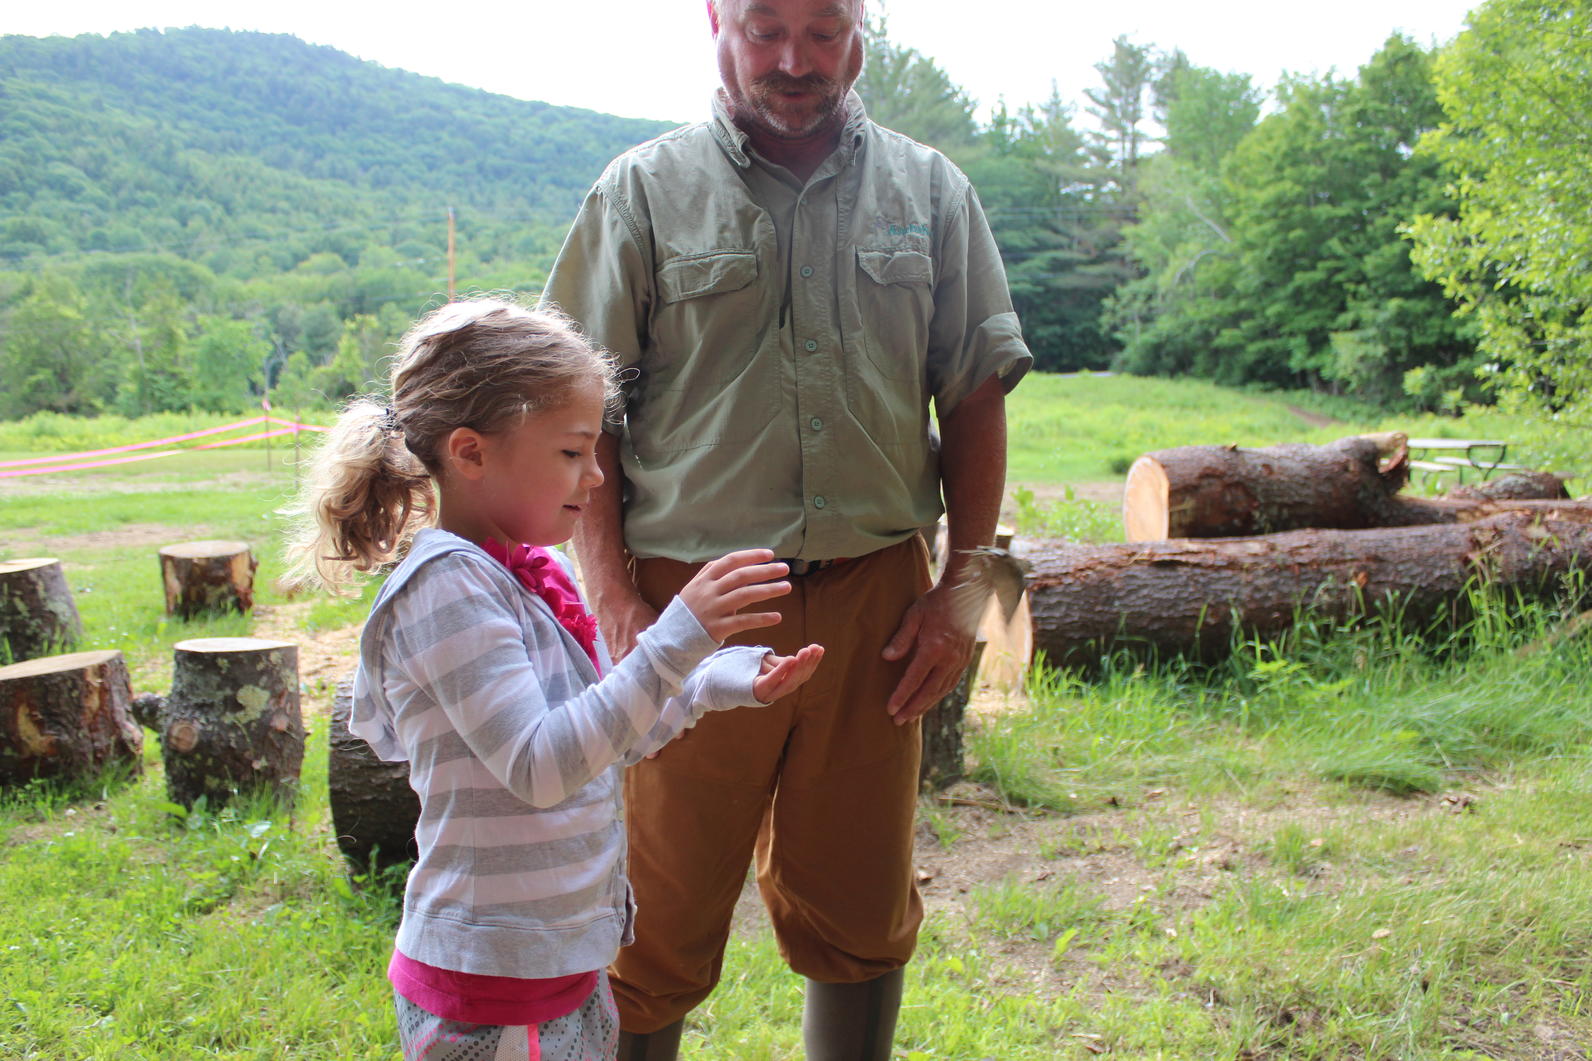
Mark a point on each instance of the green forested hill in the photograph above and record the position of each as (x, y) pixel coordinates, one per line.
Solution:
(194, 217)
(186, 140)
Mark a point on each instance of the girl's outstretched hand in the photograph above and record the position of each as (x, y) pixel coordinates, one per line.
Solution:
(724, 586)
(785, 674)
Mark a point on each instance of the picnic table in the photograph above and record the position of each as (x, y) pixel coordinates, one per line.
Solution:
(1440, 455)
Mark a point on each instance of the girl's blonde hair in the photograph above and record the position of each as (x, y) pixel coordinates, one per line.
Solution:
(482, 363)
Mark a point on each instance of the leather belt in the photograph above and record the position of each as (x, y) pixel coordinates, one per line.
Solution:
(799, 567)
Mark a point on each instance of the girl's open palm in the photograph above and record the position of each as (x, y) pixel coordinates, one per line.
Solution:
(785, 674)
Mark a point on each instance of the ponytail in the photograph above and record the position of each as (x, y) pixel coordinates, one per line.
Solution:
(364, 498)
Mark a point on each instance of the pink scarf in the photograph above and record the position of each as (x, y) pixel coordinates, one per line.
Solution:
(544, 576)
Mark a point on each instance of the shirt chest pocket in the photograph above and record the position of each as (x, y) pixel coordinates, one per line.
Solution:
(711, 373)
(706, 324)
(895, 301)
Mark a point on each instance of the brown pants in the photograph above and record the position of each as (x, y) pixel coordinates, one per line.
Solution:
(821, 785)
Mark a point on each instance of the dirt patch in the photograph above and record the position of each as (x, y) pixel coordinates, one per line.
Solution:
(1105, 492)
(325, 656)
(33, 542)
(1313, 419)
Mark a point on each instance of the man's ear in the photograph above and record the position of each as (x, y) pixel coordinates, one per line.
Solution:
(713, 16)
(464, 451)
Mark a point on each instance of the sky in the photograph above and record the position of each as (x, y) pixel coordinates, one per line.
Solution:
(654, 58)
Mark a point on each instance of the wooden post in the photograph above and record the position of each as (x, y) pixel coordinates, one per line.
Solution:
(232, 722)
(207, 576)
(942, 730)
(37, 614)
(66, 717)
(374, 811)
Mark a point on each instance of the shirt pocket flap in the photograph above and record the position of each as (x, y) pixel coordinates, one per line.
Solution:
(897, 267)
(712, 273)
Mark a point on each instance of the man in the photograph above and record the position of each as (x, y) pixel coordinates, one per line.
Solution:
(792, 286)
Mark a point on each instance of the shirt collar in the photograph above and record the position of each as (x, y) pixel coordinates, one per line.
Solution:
(737, 145)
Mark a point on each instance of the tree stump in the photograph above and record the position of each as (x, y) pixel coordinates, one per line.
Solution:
(942, 762)
(374, 811)
(232, 722)
(37, 614)
(207, 576)
(66, 717)
(1191, 596)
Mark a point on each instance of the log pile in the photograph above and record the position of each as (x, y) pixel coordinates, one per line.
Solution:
(1226, 542)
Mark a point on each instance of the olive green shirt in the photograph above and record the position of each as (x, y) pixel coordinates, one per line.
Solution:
(786, 338)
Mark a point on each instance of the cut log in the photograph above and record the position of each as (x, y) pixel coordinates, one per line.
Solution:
(374, 811)
(37, 614)
(66, 717)
(1227, 491)
(1514, 486)
(1192, 596)
(232, 722)
(942, 762)
(207, 576)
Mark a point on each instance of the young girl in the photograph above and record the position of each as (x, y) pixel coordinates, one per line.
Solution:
(480, 666)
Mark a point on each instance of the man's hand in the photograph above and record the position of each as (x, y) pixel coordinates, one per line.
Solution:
(940, 645)
(622, 614)
(718, 592)
(785, 674)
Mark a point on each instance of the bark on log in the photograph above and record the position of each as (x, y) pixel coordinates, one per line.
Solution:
(942, 762)
(1514, 486)
(1191, 596)
(374, 811)
(37, 614)
(232, 722)
(207, 576)
(1228, 491)
(1417, 511)
(66, 717)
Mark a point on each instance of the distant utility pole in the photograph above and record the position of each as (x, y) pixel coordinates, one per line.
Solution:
(450, 254)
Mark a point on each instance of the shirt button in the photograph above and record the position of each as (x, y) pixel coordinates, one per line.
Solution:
(807, 271)
(818, 502)
(811, 345)
(818, 423)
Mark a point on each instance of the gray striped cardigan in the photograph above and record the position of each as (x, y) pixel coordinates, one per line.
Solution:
(515, 748)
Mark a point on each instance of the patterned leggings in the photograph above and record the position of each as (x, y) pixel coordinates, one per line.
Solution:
(591, 1033)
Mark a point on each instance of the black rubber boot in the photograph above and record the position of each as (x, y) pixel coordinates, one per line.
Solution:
(661, 1045)
(852, 1022)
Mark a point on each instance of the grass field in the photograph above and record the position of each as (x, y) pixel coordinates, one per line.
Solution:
(1354, 844)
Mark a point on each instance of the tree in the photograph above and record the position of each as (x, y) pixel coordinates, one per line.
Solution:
(1515, 89)
(1056, 226)
(1119, 106)
(1289, 269)
(228, 360)
(908, 92)
(54, 355)
(1168, 315)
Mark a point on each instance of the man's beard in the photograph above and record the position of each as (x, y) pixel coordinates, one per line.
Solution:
(770, 111)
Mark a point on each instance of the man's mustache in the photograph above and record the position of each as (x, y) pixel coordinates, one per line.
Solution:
(778, 82)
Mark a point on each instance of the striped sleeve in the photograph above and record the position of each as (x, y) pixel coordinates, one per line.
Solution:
(477, 653)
